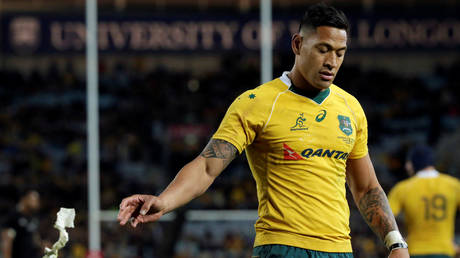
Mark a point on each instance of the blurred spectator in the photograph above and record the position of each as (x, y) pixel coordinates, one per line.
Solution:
(20, 230)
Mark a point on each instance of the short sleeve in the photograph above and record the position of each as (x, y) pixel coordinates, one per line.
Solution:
(360, 148)
(457, 188)
(10, 221)
(242, 122)
(394, 198)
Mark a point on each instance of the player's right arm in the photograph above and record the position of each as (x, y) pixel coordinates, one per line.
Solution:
(191, 181)
(243, 120)
(8, 235)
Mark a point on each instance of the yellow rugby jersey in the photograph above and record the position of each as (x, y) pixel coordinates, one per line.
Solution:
(429, 201)
(297, 149)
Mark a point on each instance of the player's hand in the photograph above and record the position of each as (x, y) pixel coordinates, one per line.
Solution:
(399, 253)
(140, 208)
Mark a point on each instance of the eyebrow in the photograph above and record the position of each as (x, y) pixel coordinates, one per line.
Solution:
(329, 46)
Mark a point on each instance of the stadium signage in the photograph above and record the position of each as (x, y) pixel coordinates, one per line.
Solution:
(158, 35)
(28, 34)
(402, 33)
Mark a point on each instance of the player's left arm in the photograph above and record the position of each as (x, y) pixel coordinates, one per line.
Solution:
(373, 203)
(7, 237)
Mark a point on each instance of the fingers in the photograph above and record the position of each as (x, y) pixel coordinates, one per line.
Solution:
(145, 218)
(146, 206)
(128, 207)
(151, 217)
(135, 209)
(130, 200)
(125, 214)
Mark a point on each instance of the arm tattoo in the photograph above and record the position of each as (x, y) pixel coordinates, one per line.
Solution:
(220, 149)
(376, 211)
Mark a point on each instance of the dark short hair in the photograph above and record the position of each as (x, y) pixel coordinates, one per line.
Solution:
(26, 190)
(421, 157)
(322, 14)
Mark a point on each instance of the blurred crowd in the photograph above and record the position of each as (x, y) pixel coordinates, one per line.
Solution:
(153, 122)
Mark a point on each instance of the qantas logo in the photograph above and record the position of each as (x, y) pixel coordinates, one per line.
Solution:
(290, 154)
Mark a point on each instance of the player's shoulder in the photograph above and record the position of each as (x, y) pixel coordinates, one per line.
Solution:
(10, 220)
(272, 88)
(341, 93)
(404, 184)
(345, 98)
(264, 93)
(449, 179)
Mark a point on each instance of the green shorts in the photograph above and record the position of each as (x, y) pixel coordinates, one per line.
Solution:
(285, 251)
(431, 256)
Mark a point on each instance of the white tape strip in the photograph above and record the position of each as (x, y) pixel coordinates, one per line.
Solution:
(65, 218)
(393, 237)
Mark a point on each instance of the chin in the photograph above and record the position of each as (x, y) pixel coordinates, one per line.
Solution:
(323, 85)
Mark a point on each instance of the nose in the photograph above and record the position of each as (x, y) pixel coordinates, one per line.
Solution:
(331, 61)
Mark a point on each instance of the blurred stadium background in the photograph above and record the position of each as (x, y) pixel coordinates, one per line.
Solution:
(168, 70)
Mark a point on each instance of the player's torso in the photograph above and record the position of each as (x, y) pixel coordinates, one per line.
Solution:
(298, 161)
(429, 208)
(309, 136)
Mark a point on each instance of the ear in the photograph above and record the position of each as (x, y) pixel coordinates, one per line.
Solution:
(409, 168)
(296, 43)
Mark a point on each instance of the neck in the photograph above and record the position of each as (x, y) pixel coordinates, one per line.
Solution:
(428, 168)
(299, 82)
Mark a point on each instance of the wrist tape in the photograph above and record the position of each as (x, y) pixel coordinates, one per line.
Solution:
(394, 240)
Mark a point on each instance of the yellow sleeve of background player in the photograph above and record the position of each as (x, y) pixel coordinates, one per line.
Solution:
(395, 199)
(243, 120)
(360, 148)
(458, 193)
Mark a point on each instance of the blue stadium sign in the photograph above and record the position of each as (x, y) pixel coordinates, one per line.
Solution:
(32, 34)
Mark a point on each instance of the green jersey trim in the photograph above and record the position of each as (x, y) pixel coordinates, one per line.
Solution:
(322, 95)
